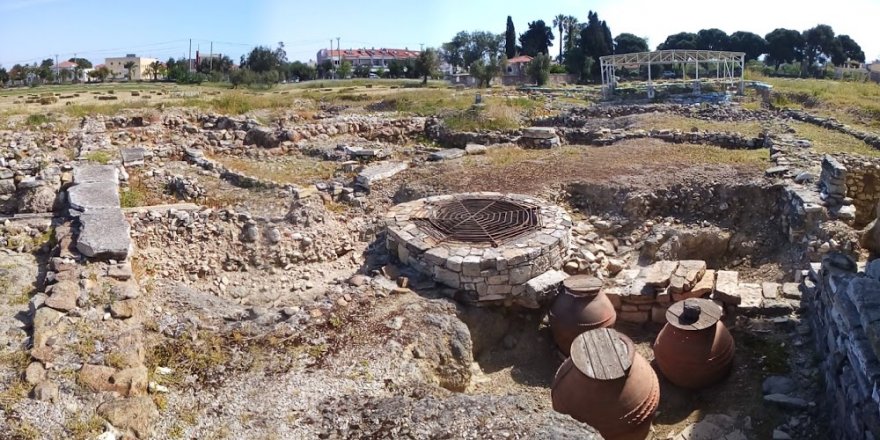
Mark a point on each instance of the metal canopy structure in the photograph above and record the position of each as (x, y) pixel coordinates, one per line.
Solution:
(725, 64)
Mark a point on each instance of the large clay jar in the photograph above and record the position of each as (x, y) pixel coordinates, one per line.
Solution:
(607, 385)
(579, 308)
(694, 349)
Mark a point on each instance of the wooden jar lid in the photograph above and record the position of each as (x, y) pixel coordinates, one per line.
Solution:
(694, 314)
(603, 354)
(582, 285)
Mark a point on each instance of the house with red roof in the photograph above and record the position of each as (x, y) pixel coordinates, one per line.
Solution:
(374, 58)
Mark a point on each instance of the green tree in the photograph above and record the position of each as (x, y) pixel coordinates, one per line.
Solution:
(681, 40)
(537, 39)
(155, 69)
(44, 71)
(752, 44)
(325, 69)
(819, 46)
(302, 71)
(101, 73)
(362, 71)
(539, 69)
(396, 69)
(81, 64)
(427, 64)
(595, 42)
(851, 50)
(4, 76)
(483, 45)
(572, 31)
(784, 46)
(262, 59)
(485, 71)
(559, 22)
(712, 39)
(510, 48)
(380, 72)
(128, 66)
(344, 70)
(629, 43)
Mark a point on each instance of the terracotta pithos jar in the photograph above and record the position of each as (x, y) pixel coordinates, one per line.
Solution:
(694, 349)
(607, 385)
(579, 308)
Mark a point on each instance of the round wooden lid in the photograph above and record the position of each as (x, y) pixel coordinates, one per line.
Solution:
(603, 354)
(694, 314)
(582, 284)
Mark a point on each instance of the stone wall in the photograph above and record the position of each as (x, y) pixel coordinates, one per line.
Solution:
(844, 313)
(509, 273)
(871, 139)
(863, 184)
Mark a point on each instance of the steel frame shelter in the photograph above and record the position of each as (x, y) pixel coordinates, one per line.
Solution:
(725, 63)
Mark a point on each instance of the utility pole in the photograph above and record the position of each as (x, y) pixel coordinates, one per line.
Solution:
(57, 71)
(189, 62)
(211, 59)
(423, 46)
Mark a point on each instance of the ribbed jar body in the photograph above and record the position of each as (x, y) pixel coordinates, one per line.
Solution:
(694, 358)
(572, 314)
(620, 409)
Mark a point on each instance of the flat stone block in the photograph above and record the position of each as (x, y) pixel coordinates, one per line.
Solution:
(104, 234)
(96, 174)
(447, 154)
(727, 287)
(91, 196)
(380, 171)
(539, 133)
(133, 157)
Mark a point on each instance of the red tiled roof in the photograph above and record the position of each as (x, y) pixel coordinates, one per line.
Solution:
(374, 53)
(66, 65)
(520, 59)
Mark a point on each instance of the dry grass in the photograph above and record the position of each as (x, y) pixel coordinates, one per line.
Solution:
(675, 122)
(286, 170)
(82, 429)
(831, 141)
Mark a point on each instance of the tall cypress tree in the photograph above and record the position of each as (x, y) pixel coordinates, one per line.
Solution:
(510, 39)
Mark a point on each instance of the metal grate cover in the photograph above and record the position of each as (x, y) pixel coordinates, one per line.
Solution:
(480, 220)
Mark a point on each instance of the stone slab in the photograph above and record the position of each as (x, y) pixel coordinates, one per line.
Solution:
(86, 197)
(379, 171)
(659, 273)
(752, 298)
(770, 290)
(104, 234)
(727, 287)
(539, 133)
(474, 149)
(447, 154)
(686, 275)
(133, 157)
(546, 283)
(96, 173)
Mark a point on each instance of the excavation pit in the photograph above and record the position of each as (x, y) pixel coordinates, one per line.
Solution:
(504, 248)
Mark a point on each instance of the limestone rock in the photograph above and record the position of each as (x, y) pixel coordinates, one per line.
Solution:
(727, 287)
(64, 295)
(701, 289)
(132, 381)
(86, 197)
(447, 154)
(379, 171)
(36, 199)
(751, 298)
(34, 373)
(46, 391)
(135, 413)
(686, 276)
(104, 234)
(659, 273)
(92, 173)
(97, 378)
(46, 323)
(123, 309)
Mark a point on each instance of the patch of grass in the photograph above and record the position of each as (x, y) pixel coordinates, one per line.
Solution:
(14, 393)
(83, 110)
(292, 170)
(83, 429)
(102, 157)
(492, 117)
(831, 141)
(130, 198)
(37, 119)
(675, 122)
(773, 355)
(200, 357)
(23, 430)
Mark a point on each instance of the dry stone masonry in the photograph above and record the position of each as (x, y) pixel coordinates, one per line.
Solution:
(512, 272)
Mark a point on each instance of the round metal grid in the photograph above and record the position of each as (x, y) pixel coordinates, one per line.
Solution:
(481, 220)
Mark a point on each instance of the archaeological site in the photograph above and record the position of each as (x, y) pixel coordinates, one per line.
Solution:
(691, 255)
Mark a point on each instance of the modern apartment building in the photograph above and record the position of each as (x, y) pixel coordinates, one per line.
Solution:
(139, 70)
(375, 58)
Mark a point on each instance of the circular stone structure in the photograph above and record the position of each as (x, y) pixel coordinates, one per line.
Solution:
(488, 244)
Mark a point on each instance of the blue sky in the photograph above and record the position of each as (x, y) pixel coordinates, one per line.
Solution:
(31, 30)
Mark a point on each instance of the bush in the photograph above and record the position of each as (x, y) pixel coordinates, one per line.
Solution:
(539, 69)
(558, 68)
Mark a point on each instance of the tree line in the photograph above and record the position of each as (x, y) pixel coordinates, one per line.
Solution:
(580, 45)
